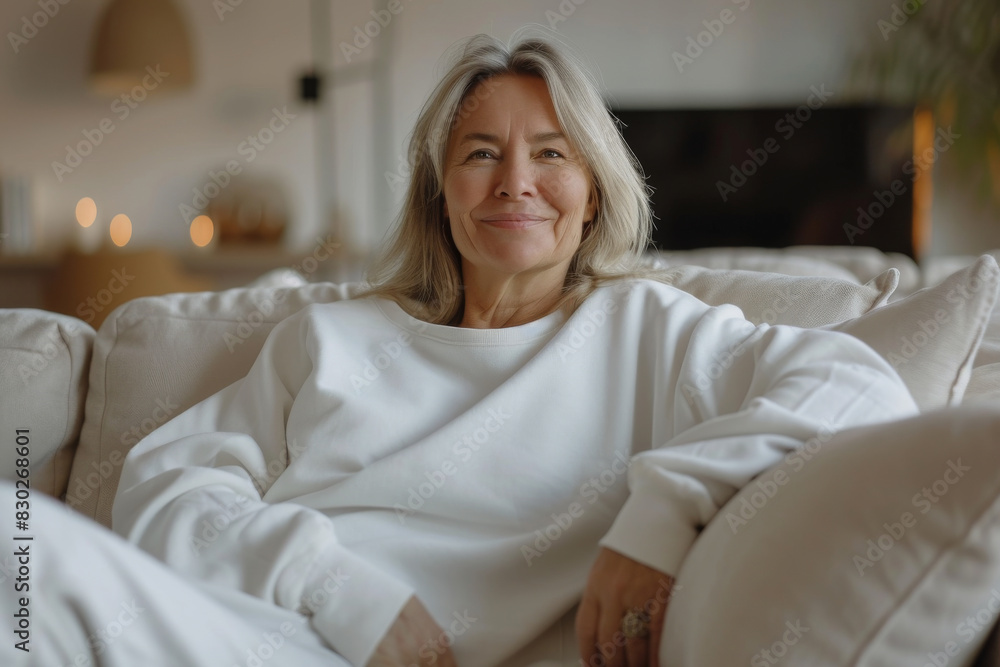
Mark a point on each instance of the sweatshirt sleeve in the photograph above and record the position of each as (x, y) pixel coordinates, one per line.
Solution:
(191, 494)
(743, 398)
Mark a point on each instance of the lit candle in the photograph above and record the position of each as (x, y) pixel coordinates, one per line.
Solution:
(202, 232)
(121, 230)
(88, 238)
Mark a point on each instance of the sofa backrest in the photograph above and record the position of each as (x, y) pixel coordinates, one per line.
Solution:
(155, 357)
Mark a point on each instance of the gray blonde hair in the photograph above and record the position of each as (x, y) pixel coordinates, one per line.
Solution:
(420, 267)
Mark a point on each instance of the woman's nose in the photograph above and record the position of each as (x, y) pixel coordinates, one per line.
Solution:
(516, 178)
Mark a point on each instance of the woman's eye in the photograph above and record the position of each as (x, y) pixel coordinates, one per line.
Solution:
(481, 154)
(550, 153)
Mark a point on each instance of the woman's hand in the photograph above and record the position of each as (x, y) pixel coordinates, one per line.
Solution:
(414, 640)
(616, 585)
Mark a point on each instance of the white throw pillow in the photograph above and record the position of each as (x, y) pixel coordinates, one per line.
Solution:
(45, 358)
(878, 545)
(758, 260)
(931, 337)
(774, 298)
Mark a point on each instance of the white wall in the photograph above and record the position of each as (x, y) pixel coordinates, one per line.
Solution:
(771, 53)
(154, 158)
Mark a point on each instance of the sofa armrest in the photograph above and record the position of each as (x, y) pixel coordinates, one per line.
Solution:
(45, 359)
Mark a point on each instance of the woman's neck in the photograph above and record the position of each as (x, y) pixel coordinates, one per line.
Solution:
(499, 303)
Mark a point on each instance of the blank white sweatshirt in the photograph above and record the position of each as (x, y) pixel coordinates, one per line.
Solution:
(368, 456)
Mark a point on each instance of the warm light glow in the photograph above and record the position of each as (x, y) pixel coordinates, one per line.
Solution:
(86, 212)
(923, 189)
(202, 230)
(121, 229)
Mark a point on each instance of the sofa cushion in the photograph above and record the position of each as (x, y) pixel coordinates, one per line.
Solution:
(872, 546)
(932, 336)
(45, 358)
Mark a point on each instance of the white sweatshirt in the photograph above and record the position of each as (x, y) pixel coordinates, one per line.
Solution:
(368, 456)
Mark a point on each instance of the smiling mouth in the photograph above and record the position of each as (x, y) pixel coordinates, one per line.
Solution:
(513, 220)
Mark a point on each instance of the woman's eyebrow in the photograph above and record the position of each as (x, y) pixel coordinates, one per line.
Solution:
(494, 139)
(548, 136)
(479, 136)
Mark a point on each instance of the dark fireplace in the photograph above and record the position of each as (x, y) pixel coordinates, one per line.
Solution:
(773, 177)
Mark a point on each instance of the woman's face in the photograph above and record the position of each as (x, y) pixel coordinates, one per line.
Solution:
(516, 191)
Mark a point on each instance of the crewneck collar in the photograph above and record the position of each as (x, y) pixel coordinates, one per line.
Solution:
(515, 335)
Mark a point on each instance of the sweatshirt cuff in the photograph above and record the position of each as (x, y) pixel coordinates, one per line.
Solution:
(362, 603)
(649, 530)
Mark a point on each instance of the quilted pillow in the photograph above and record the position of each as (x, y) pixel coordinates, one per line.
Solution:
(878, 545)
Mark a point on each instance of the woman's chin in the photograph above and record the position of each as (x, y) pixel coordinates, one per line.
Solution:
(512, 261)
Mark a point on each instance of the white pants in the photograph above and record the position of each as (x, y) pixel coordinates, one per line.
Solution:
(83, 596)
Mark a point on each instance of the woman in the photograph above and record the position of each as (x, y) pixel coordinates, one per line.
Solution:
(503, 451)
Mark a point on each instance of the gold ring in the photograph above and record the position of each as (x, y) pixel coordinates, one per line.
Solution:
(635, 623)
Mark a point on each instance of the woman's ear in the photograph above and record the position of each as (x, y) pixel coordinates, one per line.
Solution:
(591, 211)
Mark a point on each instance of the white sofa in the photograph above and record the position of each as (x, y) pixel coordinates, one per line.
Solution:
(83, 398)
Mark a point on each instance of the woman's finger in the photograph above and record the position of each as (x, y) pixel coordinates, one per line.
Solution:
(586, 631)
(655, 637)
(637, 652)
(610, 638)
(447, 660)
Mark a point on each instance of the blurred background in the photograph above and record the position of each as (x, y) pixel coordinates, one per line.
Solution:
(198, 144)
